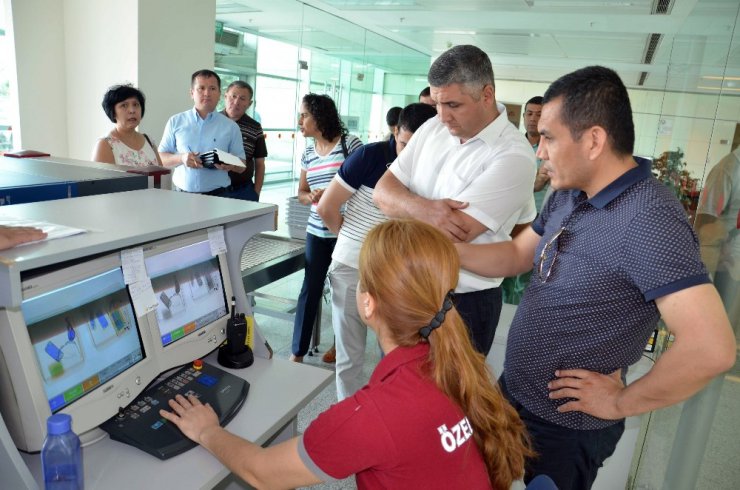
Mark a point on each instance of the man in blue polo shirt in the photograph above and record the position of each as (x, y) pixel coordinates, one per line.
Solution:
(612, 252)
(354, 184)
(200, 130)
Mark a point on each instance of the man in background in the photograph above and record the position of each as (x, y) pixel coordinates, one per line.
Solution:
(718, 227)
(425, 96)
(391, 119)
(532, 114)
(200, 130)
(246, 185)
(513, 287)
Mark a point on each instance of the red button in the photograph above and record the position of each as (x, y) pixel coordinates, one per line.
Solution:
(197, 364)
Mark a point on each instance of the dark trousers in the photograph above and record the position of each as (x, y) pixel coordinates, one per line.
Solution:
(570, 457)
(318, 258)
(245, 193)
(480, 310)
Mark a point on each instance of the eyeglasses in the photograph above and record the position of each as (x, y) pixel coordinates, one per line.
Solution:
(552, 242)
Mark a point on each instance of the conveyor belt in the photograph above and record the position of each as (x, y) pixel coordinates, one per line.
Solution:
(262, 249)
(268, 258)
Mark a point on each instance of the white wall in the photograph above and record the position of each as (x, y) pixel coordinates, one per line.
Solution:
(36, 34)
(100, 50)
(176, 38)
(70, 51)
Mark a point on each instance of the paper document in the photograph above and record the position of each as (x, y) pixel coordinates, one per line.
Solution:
(143, 297)
(229, 159)
(217, 240)
(132, 263)
(52, 230)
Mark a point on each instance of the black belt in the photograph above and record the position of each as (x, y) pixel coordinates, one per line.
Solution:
(217, 192)
(234, 188)
(214, 192)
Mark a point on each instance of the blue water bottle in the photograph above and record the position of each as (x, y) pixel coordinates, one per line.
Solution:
(61, 455)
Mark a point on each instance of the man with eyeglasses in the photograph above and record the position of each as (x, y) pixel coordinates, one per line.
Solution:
(613, 252)
(469, 172)
(246, 185)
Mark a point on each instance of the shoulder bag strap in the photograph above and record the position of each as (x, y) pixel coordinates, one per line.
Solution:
(344, 147)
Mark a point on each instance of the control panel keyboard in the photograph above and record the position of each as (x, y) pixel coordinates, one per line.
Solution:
(141, 426)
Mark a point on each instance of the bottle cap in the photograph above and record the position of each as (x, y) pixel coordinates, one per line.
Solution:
(59, 423)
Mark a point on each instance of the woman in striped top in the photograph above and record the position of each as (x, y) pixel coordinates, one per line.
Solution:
(318, 119)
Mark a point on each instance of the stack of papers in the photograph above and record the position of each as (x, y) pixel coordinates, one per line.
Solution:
(52, 230)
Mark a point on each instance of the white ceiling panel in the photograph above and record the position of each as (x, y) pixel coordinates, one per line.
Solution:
(535, 40)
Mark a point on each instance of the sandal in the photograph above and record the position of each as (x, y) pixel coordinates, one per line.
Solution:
(330, 356)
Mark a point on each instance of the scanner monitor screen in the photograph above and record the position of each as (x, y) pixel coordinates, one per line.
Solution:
(75, 346)
(189, 287)
(83, 335)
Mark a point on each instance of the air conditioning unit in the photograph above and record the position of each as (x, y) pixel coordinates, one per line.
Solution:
(229, 38)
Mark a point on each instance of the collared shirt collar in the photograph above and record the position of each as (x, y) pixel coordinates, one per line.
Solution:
(392, 148)
(197, 116)
(397, 358)
(631, 176)
(244, 119)
(493, 131)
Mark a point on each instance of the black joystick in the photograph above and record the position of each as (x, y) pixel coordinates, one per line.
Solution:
(235, 353)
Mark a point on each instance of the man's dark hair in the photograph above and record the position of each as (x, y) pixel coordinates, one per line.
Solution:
(205, 74)
(425, 92)
(536, 100)
(323, 110)
(119, 93)
(241, 84)
(465, 64)
(391, 117)
(414, 115)
(595, 96)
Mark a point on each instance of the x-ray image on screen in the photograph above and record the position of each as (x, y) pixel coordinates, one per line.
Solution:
(188, 285)
(83, 335)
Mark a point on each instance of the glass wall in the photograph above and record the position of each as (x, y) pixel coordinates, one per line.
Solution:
(691, 445)
(6, 133)
(364, 73)
(695, 444)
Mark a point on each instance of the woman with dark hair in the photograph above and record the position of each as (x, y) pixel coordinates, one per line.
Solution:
(318, 119)
(124, 145)
(432, 416)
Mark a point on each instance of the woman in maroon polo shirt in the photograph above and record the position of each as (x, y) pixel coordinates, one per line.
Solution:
(431, 416)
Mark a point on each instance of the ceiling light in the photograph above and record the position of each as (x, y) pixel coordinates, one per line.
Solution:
(457, 33)
(707, 77)
(724, 89)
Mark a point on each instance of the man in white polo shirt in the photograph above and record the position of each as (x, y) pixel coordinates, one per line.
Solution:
(469, 172)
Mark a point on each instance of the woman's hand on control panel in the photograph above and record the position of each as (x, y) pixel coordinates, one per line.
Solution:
(191, 416)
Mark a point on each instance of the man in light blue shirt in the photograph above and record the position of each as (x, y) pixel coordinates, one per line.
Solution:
(199, 130)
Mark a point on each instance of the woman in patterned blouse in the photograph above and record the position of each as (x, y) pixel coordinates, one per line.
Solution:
(124, 145)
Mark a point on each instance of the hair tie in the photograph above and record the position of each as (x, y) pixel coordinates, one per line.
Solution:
(439, 317)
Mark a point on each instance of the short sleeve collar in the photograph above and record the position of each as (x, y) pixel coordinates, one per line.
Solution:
(630, 177)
